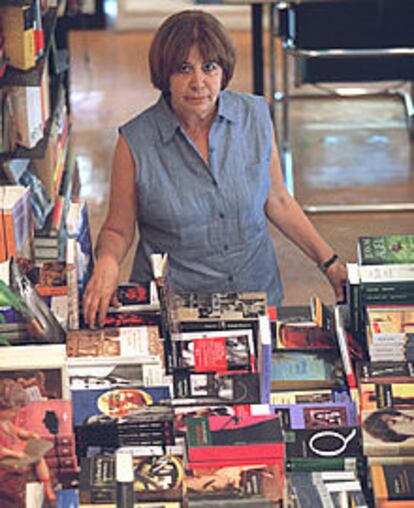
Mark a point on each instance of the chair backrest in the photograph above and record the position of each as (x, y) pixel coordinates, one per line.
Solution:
(352, 24)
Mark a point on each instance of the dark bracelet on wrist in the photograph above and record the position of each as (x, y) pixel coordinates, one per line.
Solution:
(326, 264)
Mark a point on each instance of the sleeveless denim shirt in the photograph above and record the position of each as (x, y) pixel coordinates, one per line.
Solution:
(209, 218)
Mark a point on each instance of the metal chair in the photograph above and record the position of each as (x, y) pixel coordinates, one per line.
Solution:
(341, 41)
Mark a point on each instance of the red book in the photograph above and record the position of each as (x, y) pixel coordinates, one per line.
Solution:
(224, 439)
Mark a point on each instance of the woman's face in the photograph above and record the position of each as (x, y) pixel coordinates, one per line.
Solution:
(195, 87)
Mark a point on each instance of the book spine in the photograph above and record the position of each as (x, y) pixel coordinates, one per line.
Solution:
(10, 241)
(3, 248)
(236, 452)
(315, 464)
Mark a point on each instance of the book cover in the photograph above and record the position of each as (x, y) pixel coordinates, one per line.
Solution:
(319, 395)
(19, 37)
(389, 324)
(381, 395)
(114, 402)
(393, 483)
(260, 481)
(77, 227)
(388, 432)
(41, 370)
(317, 416)
(377, 250)
(110, 342)
(125, 319)
(290, 336)
(181, 414)
(296, 370)
(136, 297)
(91, 373)
(17, 221)
(330, 488)
(155, 478)
(217, 306)
(222, 352)
(385, 372)
(386, 273)
(227, 438)
(212, 388)
(327, 443)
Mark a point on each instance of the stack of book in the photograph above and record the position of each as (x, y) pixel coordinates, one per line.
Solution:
(382, 276)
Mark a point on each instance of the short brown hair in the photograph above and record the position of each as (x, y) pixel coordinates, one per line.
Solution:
(174, 39)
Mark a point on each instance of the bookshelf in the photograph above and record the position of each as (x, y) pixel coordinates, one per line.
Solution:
(58, 59)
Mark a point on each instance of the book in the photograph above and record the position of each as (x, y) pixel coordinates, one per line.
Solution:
(114, 402)
(126, 319)
(388, 432)
(394, 483)
(90, 373)
(17, 220)
(147, 427)
(317, 416)
(319, 395)
(385, 372)
(18, 32)
(136, 297)
(313, 464)
(47, 329)
(252, 482)
(224, 352)
(377, 250)
(27, 110)
(383, 395)
(77, 227)
(40, 369)
(114, 342)
(332, 443)
(325, 488)
(225, 440)
(181, 413)
(219, 306)
(212, 388)
(300, 370)
(156, 478)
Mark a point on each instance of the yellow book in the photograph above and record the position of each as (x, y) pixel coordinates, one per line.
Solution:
(19, 36)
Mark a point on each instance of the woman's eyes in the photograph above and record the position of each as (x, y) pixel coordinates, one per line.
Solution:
(207, 67)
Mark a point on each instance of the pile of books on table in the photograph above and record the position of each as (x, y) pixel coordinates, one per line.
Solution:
(220, 401)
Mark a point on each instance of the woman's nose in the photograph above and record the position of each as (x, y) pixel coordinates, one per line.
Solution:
(197, 78)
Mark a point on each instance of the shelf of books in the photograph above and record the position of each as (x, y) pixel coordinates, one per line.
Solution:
(208, 400)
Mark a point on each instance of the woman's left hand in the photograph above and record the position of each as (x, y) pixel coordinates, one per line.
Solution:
(337, 276)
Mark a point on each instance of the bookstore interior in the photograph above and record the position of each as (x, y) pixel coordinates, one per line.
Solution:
(204, 400)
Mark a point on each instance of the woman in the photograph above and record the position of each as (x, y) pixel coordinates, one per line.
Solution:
(199, 172)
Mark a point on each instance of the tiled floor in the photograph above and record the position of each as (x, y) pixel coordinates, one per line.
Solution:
(344, 151)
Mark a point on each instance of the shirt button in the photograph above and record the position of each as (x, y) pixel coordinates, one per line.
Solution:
(230, 278)
(226, 247)
(221, 215)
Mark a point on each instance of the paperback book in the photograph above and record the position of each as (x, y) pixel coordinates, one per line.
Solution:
(213, 388)
(227, 440)
(377, 250)
(156, 478)
(388, 432)
(393, 485)
(317, 416)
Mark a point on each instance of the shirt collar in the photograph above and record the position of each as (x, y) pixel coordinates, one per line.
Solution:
(169, 122)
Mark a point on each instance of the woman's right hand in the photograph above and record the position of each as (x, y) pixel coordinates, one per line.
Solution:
(100, 292)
